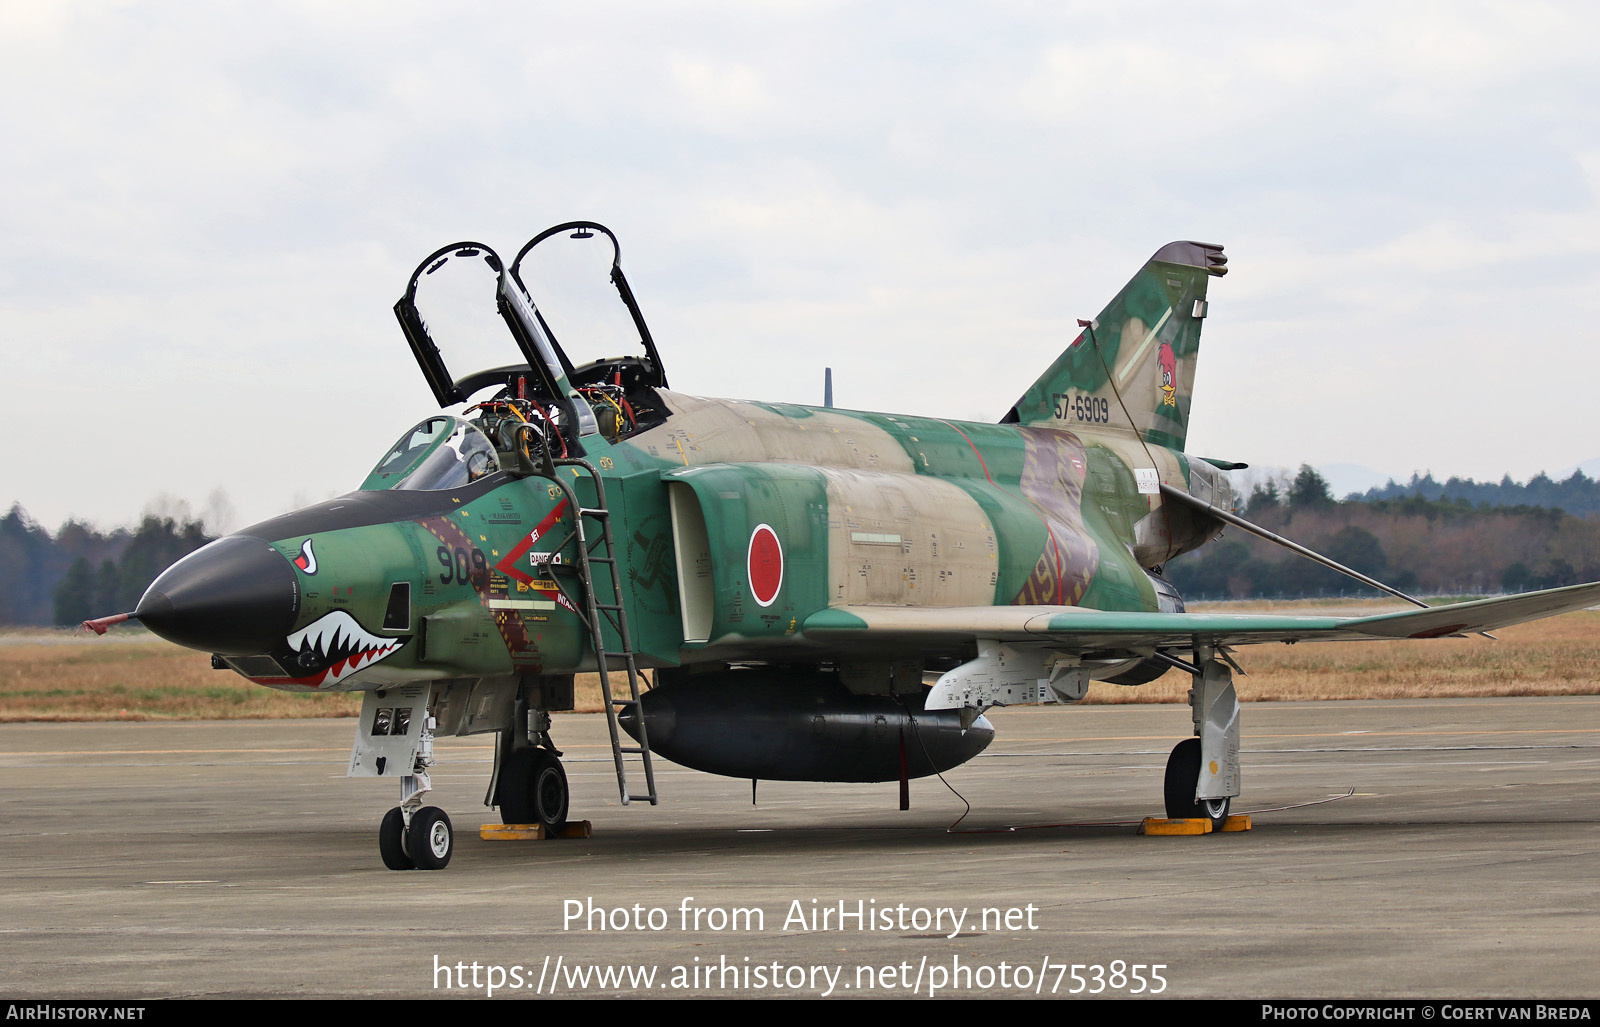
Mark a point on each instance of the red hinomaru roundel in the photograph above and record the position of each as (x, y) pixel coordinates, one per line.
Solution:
(765, 564)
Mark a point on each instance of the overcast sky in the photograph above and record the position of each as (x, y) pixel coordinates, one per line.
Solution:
(209, 210)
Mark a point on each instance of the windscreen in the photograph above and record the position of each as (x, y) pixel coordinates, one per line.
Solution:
(440, 453)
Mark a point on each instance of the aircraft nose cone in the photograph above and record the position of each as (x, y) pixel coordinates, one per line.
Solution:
(237, 596)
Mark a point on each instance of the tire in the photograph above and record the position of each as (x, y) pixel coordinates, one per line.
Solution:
(392, 841)
(1183, 777)
(430, 839)
(534, 790)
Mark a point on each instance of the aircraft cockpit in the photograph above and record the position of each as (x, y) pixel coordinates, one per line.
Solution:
(443, 452)
(560, 295)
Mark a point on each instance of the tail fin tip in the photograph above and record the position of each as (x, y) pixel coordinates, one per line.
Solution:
(1138, 372)
(1207, 256)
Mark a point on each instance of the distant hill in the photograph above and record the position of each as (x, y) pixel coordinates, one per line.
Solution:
(1578, 494)
(1416, 537)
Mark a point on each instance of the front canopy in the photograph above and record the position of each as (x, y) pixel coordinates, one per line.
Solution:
(442, 452)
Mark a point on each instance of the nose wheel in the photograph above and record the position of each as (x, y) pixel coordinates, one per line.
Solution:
(425, 844)
(430, 839)
(392, 841)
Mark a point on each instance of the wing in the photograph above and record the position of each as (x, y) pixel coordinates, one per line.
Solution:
(1110, 633)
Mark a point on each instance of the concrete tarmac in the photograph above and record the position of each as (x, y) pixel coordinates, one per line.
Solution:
(234, 859)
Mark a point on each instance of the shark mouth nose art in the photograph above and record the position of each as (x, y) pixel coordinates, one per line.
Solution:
(334, 646)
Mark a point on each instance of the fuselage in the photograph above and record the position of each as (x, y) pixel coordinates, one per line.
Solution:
(732, 523)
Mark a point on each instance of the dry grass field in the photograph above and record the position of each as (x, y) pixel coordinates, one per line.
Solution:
(135, 676)
(67, 676)
(1555, 656)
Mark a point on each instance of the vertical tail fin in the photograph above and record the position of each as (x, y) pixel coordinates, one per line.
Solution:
(1147, 339)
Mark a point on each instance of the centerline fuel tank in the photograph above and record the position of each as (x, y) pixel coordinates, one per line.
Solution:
(801, 725)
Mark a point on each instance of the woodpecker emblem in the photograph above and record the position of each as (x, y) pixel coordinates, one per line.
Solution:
(1169, 376)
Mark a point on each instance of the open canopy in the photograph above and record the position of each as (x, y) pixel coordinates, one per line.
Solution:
(565, 294)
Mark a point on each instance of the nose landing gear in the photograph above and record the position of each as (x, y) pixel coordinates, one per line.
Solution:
(396, 725)
(426, 843)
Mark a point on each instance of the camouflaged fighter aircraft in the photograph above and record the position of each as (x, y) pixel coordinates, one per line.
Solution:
(793, 578)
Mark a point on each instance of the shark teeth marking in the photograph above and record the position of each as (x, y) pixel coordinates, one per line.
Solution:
(340, 642)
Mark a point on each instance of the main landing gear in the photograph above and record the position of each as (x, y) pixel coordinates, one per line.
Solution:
(533, 789)
(1203, 772)
(1183, 780)
(530, 785)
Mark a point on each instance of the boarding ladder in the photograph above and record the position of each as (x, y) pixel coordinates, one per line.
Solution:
(600, 610)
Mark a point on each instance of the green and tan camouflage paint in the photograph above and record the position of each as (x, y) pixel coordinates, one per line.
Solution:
(870, 510)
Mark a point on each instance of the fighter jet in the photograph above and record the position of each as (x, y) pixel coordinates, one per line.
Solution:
(810, 593)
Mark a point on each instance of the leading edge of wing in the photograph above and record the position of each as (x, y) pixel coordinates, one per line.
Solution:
(1093, 629)
(1479, 614)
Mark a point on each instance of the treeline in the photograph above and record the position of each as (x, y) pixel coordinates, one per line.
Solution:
(78, 572)
(1423, 537)
(1441, 545)
(1578, 495)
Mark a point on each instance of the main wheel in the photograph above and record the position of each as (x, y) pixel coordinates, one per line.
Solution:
(430, 839)
(1183, 777)
(534, 790)
(392, 841)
